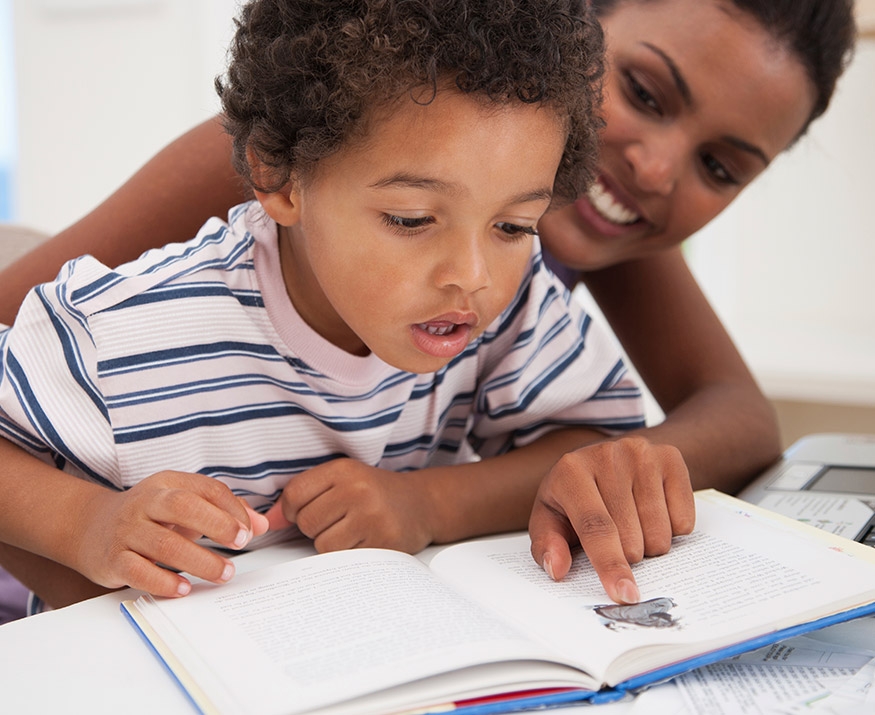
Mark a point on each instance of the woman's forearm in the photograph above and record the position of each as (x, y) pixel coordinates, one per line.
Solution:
(166, 201)
(724, 426)
(56, 585)
(727, 434)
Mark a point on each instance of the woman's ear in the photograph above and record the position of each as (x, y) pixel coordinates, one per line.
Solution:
(283, 206)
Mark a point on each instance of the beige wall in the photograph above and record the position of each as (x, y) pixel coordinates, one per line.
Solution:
(866, 17)
(801, 418)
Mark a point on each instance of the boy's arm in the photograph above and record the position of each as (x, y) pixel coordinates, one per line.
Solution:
(166, 201)
(115, 538)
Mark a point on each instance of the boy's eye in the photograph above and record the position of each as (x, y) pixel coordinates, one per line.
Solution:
(406, 224)
(516, 231)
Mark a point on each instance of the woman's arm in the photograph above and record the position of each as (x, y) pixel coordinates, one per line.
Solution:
(167, 200)
(56, 585)
(716, 414)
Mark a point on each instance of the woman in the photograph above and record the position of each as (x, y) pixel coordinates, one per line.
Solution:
(700, 96)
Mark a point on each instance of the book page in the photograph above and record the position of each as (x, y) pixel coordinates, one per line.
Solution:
(304, 634)
(781, 677)
(737, 575)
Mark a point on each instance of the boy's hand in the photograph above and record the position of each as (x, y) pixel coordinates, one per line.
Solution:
(126, 535)
(344, 504)
(621, 500)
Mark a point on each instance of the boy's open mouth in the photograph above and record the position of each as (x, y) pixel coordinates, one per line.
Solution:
(437, 329)
(444, 337)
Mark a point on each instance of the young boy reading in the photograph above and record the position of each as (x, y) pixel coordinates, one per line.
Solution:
(331, 353)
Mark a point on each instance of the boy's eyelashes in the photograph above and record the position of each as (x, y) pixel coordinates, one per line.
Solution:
(406, 225)
(515, 231)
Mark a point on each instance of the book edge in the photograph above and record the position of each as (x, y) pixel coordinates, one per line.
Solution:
(192, 691)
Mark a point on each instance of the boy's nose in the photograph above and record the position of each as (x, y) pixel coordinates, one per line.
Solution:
(464, 264)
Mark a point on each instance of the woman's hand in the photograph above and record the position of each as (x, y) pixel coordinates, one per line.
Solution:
(620, 500)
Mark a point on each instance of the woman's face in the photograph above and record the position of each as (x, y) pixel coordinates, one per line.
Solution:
(699, 99)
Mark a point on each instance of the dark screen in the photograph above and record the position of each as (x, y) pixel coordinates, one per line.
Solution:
(854, 480)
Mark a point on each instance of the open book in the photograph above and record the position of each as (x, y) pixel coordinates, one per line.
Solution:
(482, 628)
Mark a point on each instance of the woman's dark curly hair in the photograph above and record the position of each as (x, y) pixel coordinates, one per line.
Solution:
(304, 74)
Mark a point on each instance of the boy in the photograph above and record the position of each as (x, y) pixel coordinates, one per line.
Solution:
(340, 348)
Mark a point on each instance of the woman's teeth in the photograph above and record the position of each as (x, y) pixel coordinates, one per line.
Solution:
(437, 329)
(607, 207)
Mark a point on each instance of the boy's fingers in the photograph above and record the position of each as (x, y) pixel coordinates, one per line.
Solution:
(258, 522)
(198, 505)
(148, 562)
(652, 518)
(305, 488)
(147, 576)
(275, 518)
(167, 547)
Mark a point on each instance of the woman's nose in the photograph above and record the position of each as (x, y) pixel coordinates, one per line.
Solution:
(655, 164)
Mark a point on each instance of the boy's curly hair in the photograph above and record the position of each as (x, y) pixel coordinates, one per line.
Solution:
(304, 73)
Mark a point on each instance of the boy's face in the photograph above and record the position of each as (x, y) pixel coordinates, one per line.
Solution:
(411, 242)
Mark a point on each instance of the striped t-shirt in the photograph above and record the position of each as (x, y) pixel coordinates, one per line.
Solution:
(193, 358)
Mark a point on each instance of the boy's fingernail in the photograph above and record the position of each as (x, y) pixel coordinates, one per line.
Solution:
(241, 538)
(184, 588)
(227, 572)
(548, 566)
(628, 591)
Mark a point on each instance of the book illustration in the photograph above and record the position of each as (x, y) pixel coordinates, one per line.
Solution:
(652, 613)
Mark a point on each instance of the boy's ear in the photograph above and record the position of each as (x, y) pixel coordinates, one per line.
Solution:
(283, 206)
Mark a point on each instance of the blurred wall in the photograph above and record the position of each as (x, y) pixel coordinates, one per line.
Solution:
(102, 85)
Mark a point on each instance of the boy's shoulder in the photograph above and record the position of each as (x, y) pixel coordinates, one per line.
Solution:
(540, 290)
(219, 248)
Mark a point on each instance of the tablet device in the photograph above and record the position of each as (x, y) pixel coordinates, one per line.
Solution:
(827, 480)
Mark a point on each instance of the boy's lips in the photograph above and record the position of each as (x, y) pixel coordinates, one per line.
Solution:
(445, 336)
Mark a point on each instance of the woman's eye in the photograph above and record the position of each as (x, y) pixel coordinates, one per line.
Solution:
(717, 171)
(641, 95)
(406, 224)
(516, 231)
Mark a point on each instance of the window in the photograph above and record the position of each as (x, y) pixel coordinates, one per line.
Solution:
(7, 113)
